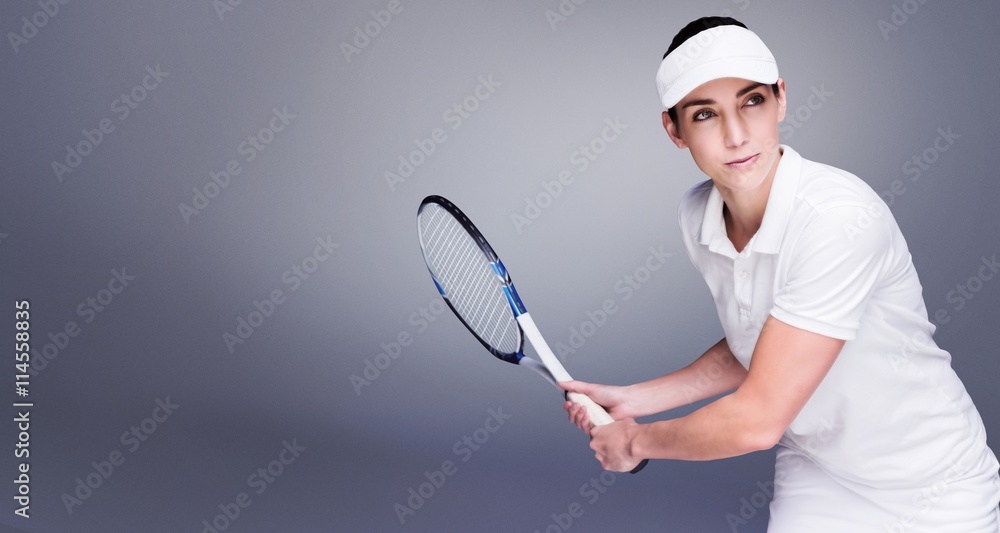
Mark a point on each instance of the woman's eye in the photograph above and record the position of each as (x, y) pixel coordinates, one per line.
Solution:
(702, 115)
(755, 100)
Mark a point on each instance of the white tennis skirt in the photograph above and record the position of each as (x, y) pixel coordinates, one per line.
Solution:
(808, 499)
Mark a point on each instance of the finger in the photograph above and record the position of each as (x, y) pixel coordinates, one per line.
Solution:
(582, 417)
(574, 413)
(575, 386)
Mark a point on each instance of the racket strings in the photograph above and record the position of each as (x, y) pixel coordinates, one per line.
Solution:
(461, 266)
(468, 279)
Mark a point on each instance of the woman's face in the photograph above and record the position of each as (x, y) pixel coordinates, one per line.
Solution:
(730, 125)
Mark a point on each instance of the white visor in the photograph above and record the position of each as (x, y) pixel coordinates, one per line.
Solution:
(719, 52)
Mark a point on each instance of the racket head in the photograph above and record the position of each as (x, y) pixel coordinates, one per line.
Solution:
(470, 277)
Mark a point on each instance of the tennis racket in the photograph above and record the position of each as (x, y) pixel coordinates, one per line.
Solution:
(476, 286)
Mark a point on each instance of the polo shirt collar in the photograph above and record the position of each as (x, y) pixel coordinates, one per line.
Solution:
(772, 227)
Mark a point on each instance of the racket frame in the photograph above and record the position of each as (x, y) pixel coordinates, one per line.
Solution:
(550, 368)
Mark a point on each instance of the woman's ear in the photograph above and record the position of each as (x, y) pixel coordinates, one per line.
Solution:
(672, 131)
(782, 100)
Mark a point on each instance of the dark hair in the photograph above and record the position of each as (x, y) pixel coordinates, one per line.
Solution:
(698, 26)
(694, 28)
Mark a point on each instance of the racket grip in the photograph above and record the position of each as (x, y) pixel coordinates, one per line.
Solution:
(599, 417)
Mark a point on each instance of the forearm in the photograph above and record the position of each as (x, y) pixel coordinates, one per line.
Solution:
(728, 427)
(714, 372)
(788, 365)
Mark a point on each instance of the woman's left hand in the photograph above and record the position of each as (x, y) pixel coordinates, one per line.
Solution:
(613, 445)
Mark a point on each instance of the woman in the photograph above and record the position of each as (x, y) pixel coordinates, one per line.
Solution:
(828, 346)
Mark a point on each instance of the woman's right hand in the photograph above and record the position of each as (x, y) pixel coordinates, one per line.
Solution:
(614, 399)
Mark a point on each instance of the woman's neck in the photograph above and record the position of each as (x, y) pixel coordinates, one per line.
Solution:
(743, 211)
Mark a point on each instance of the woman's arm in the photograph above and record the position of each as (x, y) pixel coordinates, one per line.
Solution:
(714, 372)
(788, 365)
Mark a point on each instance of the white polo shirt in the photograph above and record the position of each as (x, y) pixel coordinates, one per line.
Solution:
(891, 415)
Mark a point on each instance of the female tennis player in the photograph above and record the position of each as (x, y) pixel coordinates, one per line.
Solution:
(827, 348)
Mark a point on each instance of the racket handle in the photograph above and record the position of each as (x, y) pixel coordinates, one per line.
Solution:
(598, 417)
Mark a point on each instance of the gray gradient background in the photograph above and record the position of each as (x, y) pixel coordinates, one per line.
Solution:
(323, 176)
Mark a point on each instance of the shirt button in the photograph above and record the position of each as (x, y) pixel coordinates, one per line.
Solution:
(743, 275)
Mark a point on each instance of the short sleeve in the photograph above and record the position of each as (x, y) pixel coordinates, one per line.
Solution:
(690, 213)
(832, 271)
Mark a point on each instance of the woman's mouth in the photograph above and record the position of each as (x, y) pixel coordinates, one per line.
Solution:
(746, 162)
